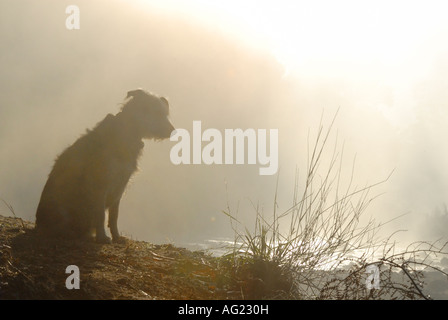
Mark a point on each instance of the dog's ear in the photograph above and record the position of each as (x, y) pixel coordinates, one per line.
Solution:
(165, 101)
(135, 93)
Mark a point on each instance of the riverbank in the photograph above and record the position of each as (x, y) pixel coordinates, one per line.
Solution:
(33, 268)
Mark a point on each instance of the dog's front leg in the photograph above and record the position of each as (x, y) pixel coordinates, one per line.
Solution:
(99, 217)
(113, 219)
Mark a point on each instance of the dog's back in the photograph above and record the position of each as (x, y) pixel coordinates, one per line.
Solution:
(79, 171)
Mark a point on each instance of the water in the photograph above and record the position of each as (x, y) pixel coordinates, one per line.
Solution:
(221, 246)
(436, 284)
(216, 247)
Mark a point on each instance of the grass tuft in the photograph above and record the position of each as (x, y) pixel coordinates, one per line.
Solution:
(319, 248)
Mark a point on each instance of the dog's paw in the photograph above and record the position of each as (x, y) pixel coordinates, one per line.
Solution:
(119, 240)
(103, 240)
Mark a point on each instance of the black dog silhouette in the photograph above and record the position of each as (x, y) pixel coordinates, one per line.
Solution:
(90, 176)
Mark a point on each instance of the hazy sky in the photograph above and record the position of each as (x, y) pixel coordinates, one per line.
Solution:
(232, 64)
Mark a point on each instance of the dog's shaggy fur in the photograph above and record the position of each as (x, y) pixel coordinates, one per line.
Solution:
(89, 177)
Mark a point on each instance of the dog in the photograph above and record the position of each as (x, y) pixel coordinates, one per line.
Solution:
(90, 176)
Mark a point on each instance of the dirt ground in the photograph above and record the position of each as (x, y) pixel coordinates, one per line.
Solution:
(35, 268)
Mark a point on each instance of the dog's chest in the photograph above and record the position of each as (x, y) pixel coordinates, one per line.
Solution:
(120, 170)
(119, 174)
(123, 159)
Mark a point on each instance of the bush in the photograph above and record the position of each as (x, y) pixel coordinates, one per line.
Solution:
(324, 235)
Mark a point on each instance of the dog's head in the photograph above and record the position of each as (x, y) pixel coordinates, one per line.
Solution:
(149, 113)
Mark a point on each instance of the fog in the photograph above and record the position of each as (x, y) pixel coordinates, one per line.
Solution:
(383, 67)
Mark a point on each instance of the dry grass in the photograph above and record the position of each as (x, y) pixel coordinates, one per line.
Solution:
(324, 234)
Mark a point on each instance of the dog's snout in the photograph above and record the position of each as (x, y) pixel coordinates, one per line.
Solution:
(170, 129)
